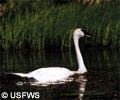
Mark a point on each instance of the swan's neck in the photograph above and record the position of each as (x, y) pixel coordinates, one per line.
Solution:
(81, 65)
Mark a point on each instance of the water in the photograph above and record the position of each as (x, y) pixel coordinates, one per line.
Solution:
(102, 77)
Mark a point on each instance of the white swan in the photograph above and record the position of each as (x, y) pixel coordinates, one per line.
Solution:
(54, 74)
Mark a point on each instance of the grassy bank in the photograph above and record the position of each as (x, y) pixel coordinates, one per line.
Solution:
(40, 24)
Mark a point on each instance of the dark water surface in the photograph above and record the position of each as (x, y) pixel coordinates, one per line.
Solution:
(102, 77)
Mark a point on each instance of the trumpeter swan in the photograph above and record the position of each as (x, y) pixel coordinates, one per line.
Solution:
(53, 74)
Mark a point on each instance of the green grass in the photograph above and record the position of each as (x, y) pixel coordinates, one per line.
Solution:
(40, 24)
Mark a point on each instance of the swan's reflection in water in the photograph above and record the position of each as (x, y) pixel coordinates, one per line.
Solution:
(69, 89)
(83, 82)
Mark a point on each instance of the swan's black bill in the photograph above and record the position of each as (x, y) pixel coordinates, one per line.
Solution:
(87, 34)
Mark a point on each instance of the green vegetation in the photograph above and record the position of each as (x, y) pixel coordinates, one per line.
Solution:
(41, 24)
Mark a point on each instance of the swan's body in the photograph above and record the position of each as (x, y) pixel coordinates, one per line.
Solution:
(53, 74)
(50, 74)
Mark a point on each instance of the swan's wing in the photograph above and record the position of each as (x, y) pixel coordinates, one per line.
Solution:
(51, 74)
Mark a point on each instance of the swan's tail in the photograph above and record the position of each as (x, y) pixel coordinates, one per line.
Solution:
(13, 77)
(20, 74)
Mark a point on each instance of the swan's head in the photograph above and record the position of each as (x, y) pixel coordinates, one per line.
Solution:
(79, 32)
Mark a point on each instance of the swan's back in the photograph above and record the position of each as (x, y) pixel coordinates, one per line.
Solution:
(51, 74)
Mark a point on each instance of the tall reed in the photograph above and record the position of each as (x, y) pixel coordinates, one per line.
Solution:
(41, 24)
